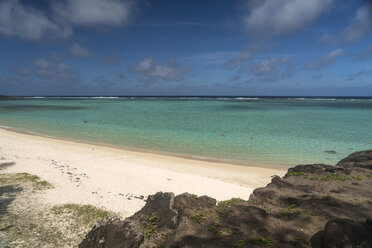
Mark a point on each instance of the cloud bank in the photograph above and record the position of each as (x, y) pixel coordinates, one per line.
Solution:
(78, 51)
(360, 27)
(28, 23)
(54, 71)
(281, 17)
(152, 71)
(272, 69)
(93, 12)
(325, 60)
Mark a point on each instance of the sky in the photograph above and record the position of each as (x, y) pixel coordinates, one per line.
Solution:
(186, 47)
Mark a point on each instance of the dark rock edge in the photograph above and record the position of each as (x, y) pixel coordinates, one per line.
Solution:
(314, 205)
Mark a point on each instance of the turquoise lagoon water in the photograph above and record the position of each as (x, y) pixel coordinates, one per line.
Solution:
(265, 130)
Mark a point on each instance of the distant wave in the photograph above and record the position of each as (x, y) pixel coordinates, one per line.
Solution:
(246, 98)
(227, 98)
(199, 157)
(104, 97)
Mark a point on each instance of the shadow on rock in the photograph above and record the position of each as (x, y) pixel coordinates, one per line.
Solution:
(313, 205)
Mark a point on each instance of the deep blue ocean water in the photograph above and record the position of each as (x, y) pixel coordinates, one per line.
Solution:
(265, 130)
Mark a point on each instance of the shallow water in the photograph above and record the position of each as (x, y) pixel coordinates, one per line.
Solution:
(266, 130)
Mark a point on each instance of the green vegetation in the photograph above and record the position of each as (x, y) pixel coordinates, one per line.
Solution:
(152, 219)
(223, 206)
(295, 173)
(191, 196)
(314, 178)
(215, 228)
(28, 221)
(334, 176)
(312, 213)
(338, 177)
(85, 214)
(199, 217)
(326, 178)
(289, 211)
(358, 178)
(298, 240)
(24, 178)
(369, 175)
(254, 241)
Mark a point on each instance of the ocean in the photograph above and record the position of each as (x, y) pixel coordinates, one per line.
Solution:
(275, 131)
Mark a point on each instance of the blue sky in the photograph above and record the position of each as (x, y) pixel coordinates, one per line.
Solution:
(186, 47)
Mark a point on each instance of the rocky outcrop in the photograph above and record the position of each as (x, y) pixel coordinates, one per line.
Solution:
(358, 159)
(344, 233)
(314, 205)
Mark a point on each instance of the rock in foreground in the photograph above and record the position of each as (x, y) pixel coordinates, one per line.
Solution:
(313, 205)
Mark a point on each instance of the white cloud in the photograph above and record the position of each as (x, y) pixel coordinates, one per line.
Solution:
(152, 71)
(93, 12)
(266, 19)
(28, 23)
(366, 54)
(360, 27)
(325, 60)
(78, 51)
(111, 60)
(280, 17)
(270, 70)
(41, 63)
(56, 72)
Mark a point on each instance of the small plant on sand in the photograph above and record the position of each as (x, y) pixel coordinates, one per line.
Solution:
(152, 219)
(24, 178)
(86, 214)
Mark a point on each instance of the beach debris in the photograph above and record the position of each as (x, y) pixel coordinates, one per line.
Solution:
(222, 134)
(169, 179)
(85, 121)
(141, 197)
(251, 137)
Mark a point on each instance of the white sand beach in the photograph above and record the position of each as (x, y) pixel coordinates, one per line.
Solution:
(120, 180)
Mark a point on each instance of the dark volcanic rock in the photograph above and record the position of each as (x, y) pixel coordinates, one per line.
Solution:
(344, 233)
(314, 205)
(358, 159)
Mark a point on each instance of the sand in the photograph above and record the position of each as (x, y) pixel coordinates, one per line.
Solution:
(120, 180)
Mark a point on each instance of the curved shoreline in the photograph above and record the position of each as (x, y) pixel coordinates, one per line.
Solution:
(117, 179)
(269, 165)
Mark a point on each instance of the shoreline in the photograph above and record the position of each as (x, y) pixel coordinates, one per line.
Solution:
(120, 180)
(269, 165)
